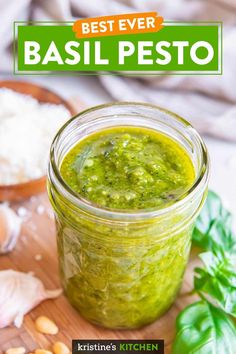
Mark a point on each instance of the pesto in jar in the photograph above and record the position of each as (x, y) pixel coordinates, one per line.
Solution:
(124, 274)
(128, 168)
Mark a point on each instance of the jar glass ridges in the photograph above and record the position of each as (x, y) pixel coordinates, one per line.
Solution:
(124, 269)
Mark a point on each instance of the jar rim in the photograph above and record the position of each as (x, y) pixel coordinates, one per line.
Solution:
(141, 214)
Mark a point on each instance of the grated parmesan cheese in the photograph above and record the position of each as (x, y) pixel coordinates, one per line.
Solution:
(27, 128)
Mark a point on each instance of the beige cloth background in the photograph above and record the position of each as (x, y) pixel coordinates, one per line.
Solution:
(208, 101)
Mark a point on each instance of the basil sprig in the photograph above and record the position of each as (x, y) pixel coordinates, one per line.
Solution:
(213, 229)
(206, 327)
(216, 282)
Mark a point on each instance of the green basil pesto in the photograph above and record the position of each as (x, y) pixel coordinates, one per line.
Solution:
(128, 168)
(124, 274)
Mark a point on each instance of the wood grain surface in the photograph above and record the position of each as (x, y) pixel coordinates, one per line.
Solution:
(38, 238)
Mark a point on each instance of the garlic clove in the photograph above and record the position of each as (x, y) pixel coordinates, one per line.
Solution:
(10, 225)
(19, 294)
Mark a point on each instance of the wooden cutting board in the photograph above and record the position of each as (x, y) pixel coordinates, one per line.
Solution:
(38, 238)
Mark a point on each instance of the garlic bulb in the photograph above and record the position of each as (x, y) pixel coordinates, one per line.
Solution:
(10, 225)
(20, 293)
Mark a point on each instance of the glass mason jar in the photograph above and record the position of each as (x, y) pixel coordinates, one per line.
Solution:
(123, 269)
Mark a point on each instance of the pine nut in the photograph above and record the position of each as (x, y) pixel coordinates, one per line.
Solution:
(18, 350)
(60, 348)
(45, 325)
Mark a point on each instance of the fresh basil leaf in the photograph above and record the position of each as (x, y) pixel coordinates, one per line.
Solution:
(204, 329)
(211, 210)
(220, 236)
(216, 282)
(213, 229)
